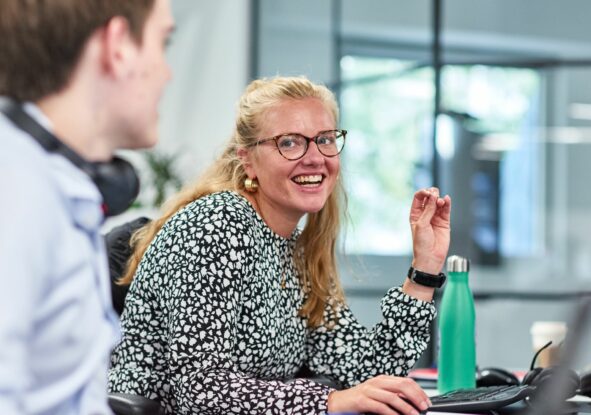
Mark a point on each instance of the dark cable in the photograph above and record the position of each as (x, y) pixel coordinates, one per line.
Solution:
(544, 347)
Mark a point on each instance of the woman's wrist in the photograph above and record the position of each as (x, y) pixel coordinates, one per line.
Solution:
(428, 266)
(420, 292)
(331, 405)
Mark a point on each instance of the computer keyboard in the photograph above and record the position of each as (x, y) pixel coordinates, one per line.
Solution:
(480, 399)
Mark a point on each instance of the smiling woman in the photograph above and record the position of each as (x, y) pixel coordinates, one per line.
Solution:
(229, 298)
(288, 189)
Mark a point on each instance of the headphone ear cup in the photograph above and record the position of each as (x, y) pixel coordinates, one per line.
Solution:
(118, 183)
(547, 380)
(531, 376)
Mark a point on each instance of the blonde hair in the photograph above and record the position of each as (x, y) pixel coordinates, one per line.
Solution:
(315, 248)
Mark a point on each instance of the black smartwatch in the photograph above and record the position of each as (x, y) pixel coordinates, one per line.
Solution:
(428, 280)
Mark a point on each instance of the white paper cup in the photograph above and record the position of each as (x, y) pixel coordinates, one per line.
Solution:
(541, 333)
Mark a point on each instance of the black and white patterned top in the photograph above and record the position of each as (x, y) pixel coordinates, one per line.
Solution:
(211, 321)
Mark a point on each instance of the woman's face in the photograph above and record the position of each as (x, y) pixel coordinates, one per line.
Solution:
(289, 189)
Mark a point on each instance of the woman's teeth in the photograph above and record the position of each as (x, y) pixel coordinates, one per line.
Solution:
(308, 180)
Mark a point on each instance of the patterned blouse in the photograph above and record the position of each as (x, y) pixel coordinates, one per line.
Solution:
(211, 321)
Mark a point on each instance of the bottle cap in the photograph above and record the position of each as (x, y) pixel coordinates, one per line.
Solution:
(457, 263)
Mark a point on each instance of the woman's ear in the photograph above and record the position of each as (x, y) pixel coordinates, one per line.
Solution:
(245, 158)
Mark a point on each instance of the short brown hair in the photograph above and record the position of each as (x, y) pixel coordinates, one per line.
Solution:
(41, 41)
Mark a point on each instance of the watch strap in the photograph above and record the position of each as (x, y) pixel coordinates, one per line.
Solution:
(426, 279)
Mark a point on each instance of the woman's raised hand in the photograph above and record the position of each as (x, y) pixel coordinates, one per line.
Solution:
(384, 395)
(430, 225)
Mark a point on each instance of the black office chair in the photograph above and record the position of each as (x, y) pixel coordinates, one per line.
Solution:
(118, 252)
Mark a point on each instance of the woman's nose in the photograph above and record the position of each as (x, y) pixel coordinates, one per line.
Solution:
(313, 155)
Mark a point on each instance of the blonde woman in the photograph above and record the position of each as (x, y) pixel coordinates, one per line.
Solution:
(228, 297)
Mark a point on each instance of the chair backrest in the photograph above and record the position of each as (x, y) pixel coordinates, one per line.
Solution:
(126, 404)
(118, 252)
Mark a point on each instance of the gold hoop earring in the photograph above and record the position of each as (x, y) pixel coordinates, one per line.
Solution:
(251, 185)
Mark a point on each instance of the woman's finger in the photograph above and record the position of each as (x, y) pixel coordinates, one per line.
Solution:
(419, 198)
(411, 391)
(428, 208)
(434, 191)
(402, 405)
(397, 401)
(446, 211)
(377, 407)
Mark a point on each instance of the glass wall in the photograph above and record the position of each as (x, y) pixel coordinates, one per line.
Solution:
(387, 106)
(512, 146)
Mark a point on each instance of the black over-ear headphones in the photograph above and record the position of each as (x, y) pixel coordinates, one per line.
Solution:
(116, 180)
(545, 379)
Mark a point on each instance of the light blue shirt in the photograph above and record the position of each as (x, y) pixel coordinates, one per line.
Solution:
(57, 325)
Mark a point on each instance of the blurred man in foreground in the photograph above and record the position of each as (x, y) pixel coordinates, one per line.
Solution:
(78, 80)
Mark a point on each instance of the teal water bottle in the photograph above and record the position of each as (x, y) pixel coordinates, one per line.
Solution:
(457, 347)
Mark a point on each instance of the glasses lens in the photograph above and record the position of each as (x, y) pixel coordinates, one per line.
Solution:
(292, 146)
(330, 143)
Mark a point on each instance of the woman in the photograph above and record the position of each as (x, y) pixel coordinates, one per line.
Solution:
(230, 297)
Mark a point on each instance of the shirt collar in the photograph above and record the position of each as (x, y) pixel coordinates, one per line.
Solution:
(82, 195)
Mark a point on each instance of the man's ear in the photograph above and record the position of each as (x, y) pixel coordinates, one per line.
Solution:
(244, 155)
(118, 47)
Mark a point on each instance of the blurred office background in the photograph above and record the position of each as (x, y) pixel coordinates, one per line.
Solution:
(511, 145)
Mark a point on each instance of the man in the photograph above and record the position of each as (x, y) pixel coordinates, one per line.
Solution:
(78, 79)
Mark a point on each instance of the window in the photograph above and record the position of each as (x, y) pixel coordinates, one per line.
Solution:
(387, 106)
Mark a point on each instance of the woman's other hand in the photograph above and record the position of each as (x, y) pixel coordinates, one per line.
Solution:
(384, 395)
(430, 225)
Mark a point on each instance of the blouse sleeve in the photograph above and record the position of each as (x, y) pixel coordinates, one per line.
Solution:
(351, 353)
(208, 263)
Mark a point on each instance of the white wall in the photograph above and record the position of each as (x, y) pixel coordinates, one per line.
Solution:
(209, 58)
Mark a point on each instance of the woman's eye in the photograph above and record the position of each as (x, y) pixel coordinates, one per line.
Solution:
(325, 140)
(288, 142)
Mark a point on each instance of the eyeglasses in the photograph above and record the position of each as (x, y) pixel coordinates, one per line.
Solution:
(293, 146)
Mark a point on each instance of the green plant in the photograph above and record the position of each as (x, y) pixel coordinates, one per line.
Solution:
(163, 175)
